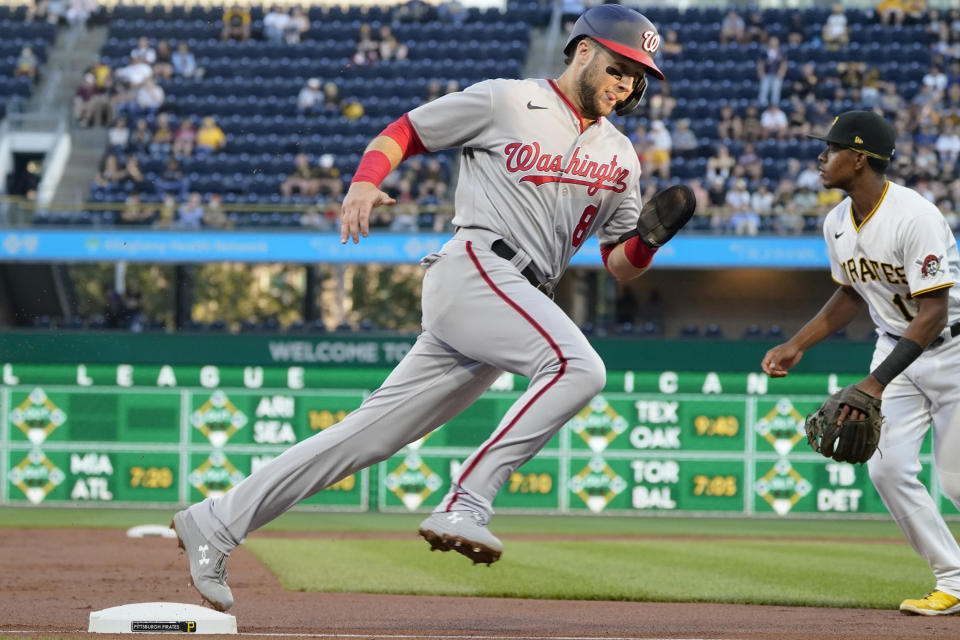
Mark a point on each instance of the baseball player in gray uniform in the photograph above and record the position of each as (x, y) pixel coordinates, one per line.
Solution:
(893, 252)
(542, 170)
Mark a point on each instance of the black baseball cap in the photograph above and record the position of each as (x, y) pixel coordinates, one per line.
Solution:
(864, 132)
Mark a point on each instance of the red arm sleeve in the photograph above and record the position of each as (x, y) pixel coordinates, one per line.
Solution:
(374, 166)
(403, 133)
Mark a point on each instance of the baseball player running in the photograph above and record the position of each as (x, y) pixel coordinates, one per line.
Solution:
(892, 251)
(541, 171)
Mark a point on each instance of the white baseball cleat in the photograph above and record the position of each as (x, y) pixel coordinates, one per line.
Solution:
(464, 532)
(208, 566)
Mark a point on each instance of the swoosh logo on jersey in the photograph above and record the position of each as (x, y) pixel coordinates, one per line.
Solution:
(592, 187)
(838, 234)
(532, 106)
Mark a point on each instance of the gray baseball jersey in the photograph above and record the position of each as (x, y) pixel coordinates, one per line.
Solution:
(904, 247)
(532, 177)
(529, 173)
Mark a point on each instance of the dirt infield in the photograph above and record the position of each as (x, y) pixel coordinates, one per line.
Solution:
(50, 581)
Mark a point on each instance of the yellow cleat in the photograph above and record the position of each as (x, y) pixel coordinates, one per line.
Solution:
(936, 603)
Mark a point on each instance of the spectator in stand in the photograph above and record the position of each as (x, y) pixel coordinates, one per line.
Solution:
(310, 98)
(797, 124)
(774, 122)
(140, 137)
(190, 213)
(144, 51)
(452, 12)
(26, 65)
(671, 45)
(405, 212)
(743, 220)
(275, 24)
(821, 116)
(90, 106)
(809, 178)
(102, 74)
(771, 70)
(685, 141)
(210, 137)
(890, 101)
(796, 28)
(304, 179)
(787, 220)
(432, 181)
(150, 97)
(236, 24)
(702, 197)
(214, 215)
(298, 25)
(36, 11)
(135, 178)
(870, 87)
(756, 29)
(660, 106)
(948, 144)
(761, 201)
(184, 62)
(135, 73)
(172, 180)
(134, 212)
(835, 30)
(891, 12)
(184, 139)
(806, 85)
(163, 65)
(936, 79)
(733, 28)
(79, 11)
(659, 147)
(434, 89)
(123, 100)
(950, 105)
(750, 162)
(720, 166)
(162, 141)
(368, 49)
(167, 212)
(330, 180)
(118, 136)
(390, 47)
(111, 174)
(332, 103)
(925, 162)
(730, 126)
(805, 200)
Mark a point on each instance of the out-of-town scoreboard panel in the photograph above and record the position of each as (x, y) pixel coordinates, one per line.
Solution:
(667, 442)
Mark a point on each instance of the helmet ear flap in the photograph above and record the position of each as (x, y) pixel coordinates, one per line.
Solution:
(626, 106)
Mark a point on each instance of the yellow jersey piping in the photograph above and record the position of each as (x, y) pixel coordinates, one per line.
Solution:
(856, 227)
(922, 291)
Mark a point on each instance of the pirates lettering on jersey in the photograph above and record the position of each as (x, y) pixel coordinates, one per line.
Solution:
(527, 157)
(866, 270)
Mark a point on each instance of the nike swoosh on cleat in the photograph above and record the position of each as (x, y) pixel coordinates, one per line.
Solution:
(530, 105)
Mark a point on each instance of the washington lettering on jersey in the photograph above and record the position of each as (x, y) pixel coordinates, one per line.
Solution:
(527, 157)
(867, 270)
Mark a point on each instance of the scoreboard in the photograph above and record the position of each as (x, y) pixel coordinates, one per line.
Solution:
(652, 442)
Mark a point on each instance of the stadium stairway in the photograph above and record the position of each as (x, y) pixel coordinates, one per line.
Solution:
(72, 52)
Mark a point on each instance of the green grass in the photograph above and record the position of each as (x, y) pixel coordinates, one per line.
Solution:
(758, 561)
(876, 575)
(48, 517)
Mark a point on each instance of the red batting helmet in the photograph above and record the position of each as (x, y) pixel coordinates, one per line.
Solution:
(626, 32)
